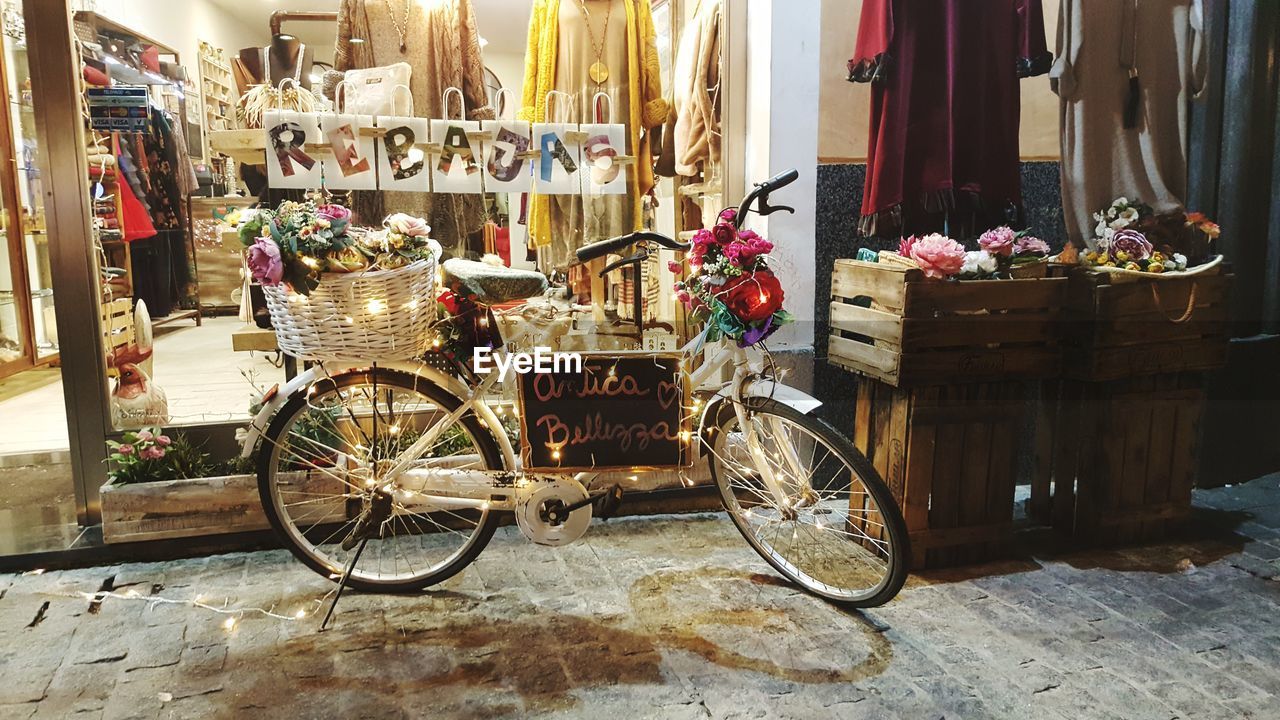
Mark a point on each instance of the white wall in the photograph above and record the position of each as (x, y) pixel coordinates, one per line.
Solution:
(782, 133)
(182, 24)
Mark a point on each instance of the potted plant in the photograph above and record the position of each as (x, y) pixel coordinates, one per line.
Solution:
(162, 486)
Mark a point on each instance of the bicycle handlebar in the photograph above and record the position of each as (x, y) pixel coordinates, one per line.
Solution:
(604, 247)
(760, 192)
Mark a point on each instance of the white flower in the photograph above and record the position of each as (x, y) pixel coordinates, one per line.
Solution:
(1130, 214)
(1180, 260)
(1107, 234)
(978, 264)
(1099, 216)
(435, 248)
(1120, 202)
(1119, 224)
(1101, 228)
(716, 280)
(1170, 265)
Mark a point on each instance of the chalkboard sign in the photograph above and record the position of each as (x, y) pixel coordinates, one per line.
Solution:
(623, 410)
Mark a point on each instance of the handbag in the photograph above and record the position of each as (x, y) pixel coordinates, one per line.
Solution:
(371, 91)
(260, 98)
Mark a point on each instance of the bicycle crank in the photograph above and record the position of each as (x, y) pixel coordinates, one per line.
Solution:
(552, 511)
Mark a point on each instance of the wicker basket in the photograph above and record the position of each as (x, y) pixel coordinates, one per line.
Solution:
(357, 317)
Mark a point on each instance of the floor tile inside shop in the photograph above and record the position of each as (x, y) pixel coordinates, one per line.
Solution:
(668, 617)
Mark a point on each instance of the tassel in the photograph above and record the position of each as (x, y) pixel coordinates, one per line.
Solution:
(1131, 103)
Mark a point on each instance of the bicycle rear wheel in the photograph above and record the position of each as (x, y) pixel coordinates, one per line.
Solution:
(837, 531)
(318, 475)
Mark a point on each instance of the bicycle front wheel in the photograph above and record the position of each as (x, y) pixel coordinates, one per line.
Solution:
(827, 522)
(319, 469)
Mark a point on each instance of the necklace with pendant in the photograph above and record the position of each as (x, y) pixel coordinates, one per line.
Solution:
(402, 27)
(599, 72)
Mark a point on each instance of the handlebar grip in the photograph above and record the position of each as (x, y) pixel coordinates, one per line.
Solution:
(780, 180)
(604, 247)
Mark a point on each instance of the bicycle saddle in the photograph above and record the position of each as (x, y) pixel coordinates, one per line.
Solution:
(493, 284)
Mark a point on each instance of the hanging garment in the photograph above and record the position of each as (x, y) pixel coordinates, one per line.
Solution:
(441, 42)
(696, 96)
(945, 107)
(645, 107)
(1140, 58)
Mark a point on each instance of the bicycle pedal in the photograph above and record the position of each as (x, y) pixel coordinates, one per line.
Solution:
(606, 504)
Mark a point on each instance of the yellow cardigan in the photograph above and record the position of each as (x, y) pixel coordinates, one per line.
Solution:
(648, 107)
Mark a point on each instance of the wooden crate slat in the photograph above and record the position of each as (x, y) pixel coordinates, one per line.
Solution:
(1128, 361)
(884, 284)
(951, 537)
(961, 330)
(881, 359)
(925, 299)
(865, 321)
(1136, 298)
(1116, 333)
(983, 364)
(1156, 485)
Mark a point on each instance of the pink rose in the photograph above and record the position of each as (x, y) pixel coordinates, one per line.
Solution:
(1030, 246)
(998, 241)
(125, 449)
(905, 245)
(152, 453)
(264, 261)
(1132, 242)
(675, 266)
(333, 212)
(146, 436)
(724, 234)
(729, 215)
(407, 225)
(163, 440)
(938, 255)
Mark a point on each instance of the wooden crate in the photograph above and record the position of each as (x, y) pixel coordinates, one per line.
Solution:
(949, 455)
(197, 506)
(1115, 461)
(891, 323)
(1118, 326)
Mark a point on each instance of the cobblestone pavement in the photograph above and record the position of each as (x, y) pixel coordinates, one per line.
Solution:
(668, 617)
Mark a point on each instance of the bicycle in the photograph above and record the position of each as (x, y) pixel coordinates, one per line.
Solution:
(393, 479)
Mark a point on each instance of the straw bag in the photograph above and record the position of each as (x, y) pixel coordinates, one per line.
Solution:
(358, 317)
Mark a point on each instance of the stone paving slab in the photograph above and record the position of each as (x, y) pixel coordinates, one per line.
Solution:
(668, 617)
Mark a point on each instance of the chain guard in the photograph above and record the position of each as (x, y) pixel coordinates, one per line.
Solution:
(536, 497)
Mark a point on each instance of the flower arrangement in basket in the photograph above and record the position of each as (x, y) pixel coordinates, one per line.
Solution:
(1131, 237)
(336, 292)
(1002, 253)
(730, 284)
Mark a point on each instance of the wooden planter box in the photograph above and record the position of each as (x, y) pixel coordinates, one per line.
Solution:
(1119, 326)
(188, 508)
(891, 323)
(949, 455)
(1116, 461)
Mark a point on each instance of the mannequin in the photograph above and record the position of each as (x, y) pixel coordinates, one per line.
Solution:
(283, 55)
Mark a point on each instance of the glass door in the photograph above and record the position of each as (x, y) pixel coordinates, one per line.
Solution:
(28, 331)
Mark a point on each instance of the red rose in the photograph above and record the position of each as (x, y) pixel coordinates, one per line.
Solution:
(450, 301)
(724, 234)
(753, 296)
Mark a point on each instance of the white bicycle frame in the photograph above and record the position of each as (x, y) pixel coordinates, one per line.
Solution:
(423, 489)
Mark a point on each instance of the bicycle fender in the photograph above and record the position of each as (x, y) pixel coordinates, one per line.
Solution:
(785, 394)
(279, 395)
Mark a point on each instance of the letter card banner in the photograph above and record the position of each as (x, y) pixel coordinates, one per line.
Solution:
(288, 164)
(402, 159)
(623, 410)
(352, 163)
(602, 173)
(456, 169)
(504, 168)
(558, 162)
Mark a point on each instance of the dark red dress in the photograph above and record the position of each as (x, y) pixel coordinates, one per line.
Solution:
(944, 110)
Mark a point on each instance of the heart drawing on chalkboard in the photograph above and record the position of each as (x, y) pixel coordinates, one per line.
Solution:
(668, 393)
